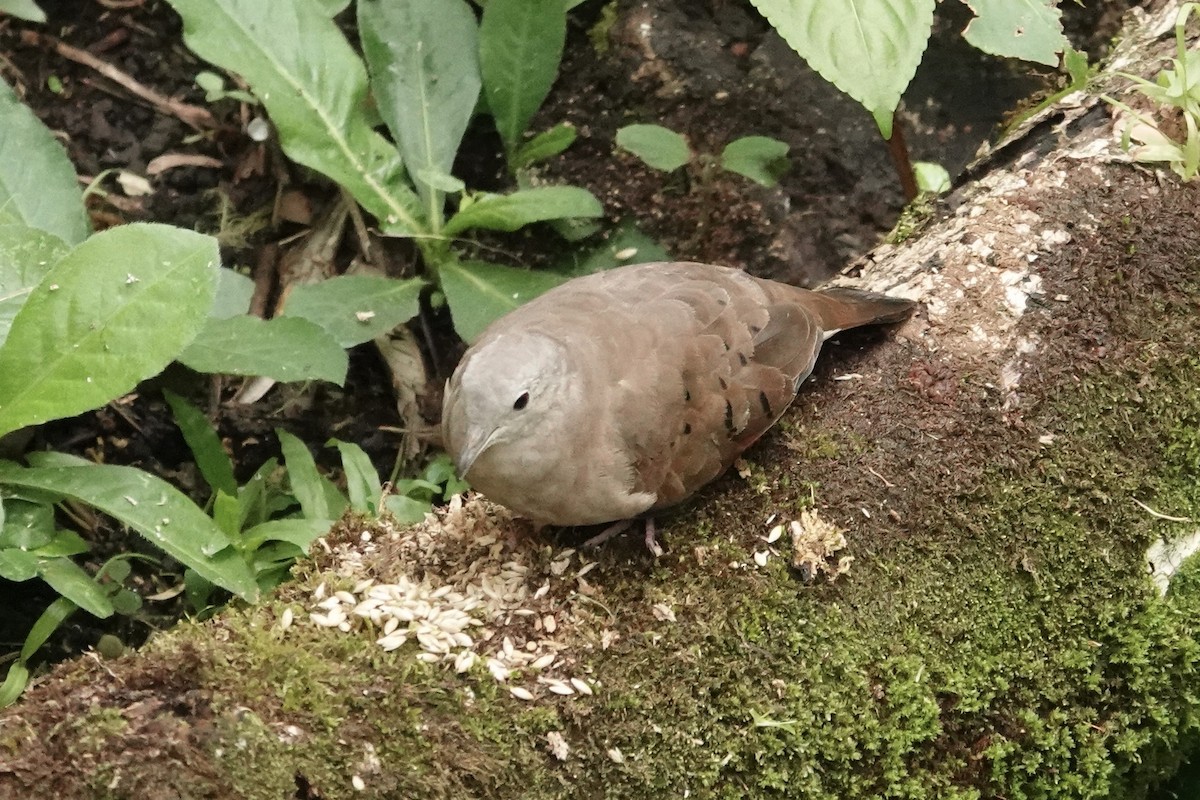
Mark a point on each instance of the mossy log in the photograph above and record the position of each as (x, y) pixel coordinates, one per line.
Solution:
(998, 467)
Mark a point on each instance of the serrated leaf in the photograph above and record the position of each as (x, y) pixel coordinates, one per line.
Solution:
(759, 158)
(660, 148)
(546, 144)
(152, 507)
(1030, 30)
(314, 87)
(424, 65)
(356, 308)
(520, 47)
(284, 349)
(869, 49)
(26, 255)
(38, 186)
(69, 580)
(479, 293)
(113, 312)
(508, 212)
(214, 463)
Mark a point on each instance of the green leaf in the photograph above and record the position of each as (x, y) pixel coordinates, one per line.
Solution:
(153, 508)
(314, 87)
(362, 481)
(931, 177)
(38, 187)
(406, 510)
(1030, 30)
(26, 255)
(303, 476)
(423, 60)
(284, 349)
(214, 463)
(55, 615)
(17, 565)
(869, 49)
(520, 46)
(479, 293)
(508, 212)
(113, 312)
(298, 532)
(14, 683)
(661, 148)
(26, 524)
(69, 580)
(545, 145)
(27, 10)
(234, 293)
(356, 308)
(759, 158)
(64, 543)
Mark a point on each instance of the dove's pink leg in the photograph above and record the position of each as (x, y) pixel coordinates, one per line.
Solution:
(622, 526)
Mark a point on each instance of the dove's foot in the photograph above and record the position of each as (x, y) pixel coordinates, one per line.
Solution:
(623, 525)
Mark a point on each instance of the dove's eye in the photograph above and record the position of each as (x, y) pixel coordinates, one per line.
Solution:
(522, 401)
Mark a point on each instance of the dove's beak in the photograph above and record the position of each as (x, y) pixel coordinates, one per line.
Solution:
(477, 442)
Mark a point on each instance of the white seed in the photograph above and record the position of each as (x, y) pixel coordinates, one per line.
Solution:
(464, 661)
(521, 693)
(582, 686)
(393, 641)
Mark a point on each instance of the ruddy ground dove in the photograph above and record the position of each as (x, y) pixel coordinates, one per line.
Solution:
(623, 392)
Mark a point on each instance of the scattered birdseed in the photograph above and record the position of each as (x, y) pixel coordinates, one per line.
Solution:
(459, 593)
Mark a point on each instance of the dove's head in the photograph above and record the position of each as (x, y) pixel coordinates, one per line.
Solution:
(509, 400)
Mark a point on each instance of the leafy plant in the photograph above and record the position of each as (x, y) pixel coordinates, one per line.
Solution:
(1177, 89)
(429, 65)
(870, 49)
(759, 158)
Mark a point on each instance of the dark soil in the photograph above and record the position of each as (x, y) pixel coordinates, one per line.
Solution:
(711, 70)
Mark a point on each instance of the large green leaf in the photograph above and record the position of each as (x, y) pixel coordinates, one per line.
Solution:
(314, 87)
(113, 312)
(520, 46)
(508, 212)
(1027, 29)
(26, 255)
(153, 508)
(284, 349)
(479, 293)
(356, 308)
(423, 59)
(37, 182)
(869, 49)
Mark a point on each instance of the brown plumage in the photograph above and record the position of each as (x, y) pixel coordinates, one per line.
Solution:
(625, 391)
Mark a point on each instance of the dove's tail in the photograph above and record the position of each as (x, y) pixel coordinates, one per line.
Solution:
(841, 308)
